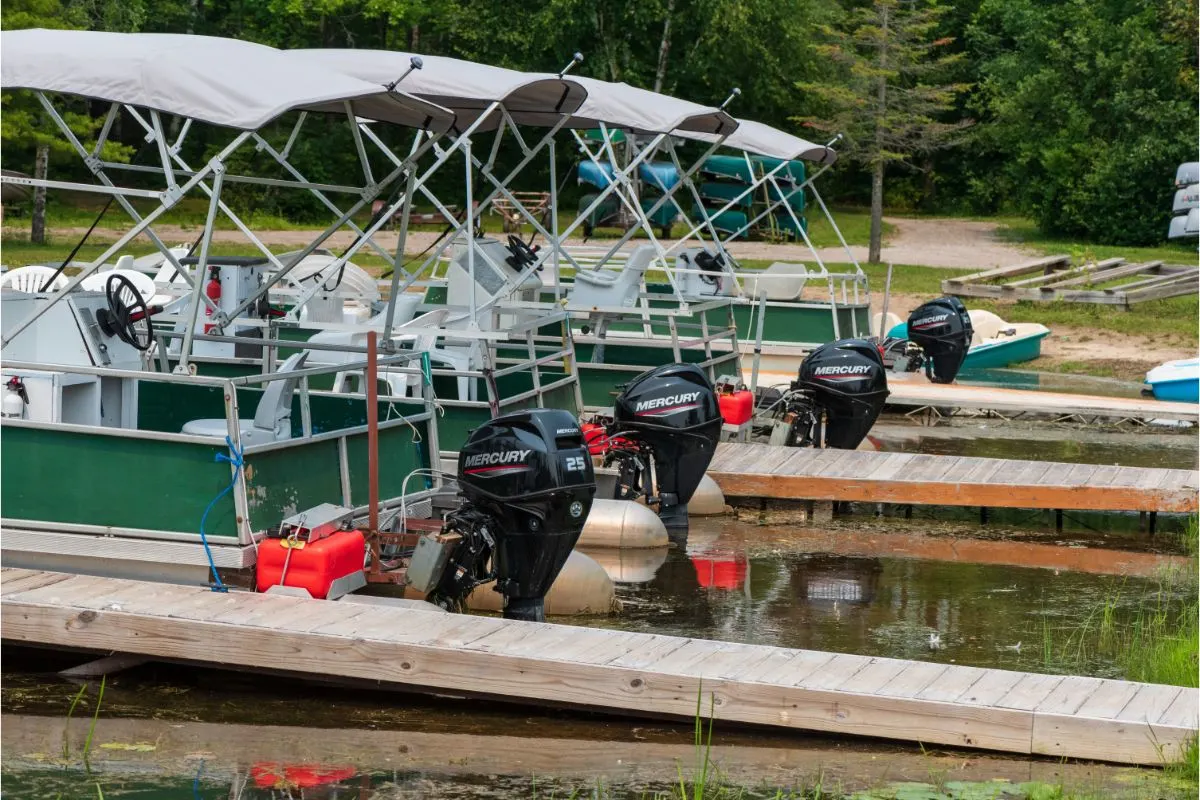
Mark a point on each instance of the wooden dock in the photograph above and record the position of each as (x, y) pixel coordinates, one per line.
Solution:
(913, 391)
(774, 472)
(604, 670)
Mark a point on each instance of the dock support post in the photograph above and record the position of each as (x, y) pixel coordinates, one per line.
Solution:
(983, 515)
(1058, 519)
(822, 512)
(1153, 521)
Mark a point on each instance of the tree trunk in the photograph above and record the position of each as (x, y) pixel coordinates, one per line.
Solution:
(664, 47)
(875, 251)
(414, 38)
(37, 228)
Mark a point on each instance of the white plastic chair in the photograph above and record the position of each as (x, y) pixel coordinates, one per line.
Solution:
(140, 280)
(31, 279)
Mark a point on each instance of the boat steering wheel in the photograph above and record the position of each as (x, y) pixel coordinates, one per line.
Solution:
(127, 316)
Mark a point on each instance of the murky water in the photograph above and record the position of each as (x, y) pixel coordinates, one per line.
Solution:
(1051, 382)
(776, 588)
(1041, 442)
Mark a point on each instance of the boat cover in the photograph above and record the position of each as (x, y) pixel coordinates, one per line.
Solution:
(619, 105)
(465, 87)
(755, 137)
(224, 82)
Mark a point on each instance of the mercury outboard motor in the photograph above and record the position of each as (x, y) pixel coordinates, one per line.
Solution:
(836, 398)
(527, 483)
(670, 422)
(942, 329)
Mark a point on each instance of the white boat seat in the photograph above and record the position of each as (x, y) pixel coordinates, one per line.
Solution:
(141, 281)
(600, 288)
(272, 419)
(31, 279)
(985, 324)
(780, 281)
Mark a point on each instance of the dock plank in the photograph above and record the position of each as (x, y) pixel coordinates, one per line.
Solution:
(921, 479)
(613, 671)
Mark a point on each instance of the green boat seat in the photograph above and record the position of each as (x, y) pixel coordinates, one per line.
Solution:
(272, 419)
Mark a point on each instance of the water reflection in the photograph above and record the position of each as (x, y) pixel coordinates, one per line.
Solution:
(789, 591)
(988, 439)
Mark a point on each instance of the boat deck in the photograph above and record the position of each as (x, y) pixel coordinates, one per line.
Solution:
(790, 473)
(604, 670)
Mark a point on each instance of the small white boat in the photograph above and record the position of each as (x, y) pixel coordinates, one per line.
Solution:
(1178, 381)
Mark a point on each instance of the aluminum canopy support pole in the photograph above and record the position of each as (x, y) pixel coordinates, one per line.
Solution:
(185, 350)
(663, 200)
(163, 154)
(390, 315)
(836, 229)
(317, 193)
(555, 246)
(470, 234)
(696, 198)
(97, 168)
(758, 340)
(128, 236)
(368, 178)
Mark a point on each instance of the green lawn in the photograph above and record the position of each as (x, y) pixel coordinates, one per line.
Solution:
(79, 210)
(1019, 230)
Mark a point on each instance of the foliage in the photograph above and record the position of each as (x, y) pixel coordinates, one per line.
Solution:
(1089, 107)
(1082, 109)
(885, 98)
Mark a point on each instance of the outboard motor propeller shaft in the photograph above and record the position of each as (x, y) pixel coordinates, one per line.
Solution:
(670, 422)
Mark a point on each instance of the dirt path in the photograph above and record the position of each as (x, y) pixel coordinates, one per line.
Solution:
(932, 242)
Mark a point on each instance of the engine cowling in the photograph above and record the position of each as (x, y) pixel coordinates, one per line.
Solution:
(848, 381)
(531, 474)
(942, 329)
(672, 410)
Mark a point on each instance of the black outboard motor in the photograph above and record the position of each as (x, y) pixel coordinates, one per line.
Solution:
(527, 483)
(666, 425)
(843, 383)
(942, 329)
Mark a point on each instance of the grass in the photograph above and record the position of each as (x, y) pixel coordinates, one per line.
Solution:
(1021, 231)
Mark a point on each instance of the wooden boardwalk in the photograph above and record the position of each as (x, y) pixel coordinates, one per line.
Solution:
(759, 470)
(914, 391)
(604, 670)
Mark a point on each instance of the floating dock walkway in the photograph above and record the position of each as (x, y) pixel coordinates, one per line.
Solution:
(915, 392)
(604, 670)
(791, 473)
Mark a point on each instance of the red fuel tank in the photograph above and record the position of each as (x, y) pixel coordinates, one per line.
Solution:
(313, 566)
(736, 407)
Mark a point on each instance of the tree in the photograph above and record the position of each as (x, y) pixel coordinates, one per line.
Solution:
(24, 126)
(881, 96)
(1090, 107)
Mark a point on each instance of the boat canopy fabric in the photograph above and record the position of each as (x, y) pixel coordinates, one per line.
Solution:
(224, 82)
(532, 98)
(465, 87)
(763, 140)
(619, 105)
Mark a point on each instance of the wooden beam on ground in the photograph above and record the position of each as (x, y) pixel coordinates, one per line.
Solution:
(1055, 275)
(613, 671)
(104, 666)
(1103, 276)
(1005, 272)
(758, 471)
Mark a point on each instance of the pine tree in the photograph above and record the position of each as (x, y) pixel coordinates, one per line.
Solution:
(883, 96)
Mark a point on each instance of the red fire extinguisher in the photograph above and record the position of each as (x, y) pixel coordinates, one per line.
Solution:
(213, 290)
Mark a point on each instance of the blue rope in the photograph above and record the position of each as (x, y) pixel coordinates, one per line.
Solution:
(196, 783)
(236, 460)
